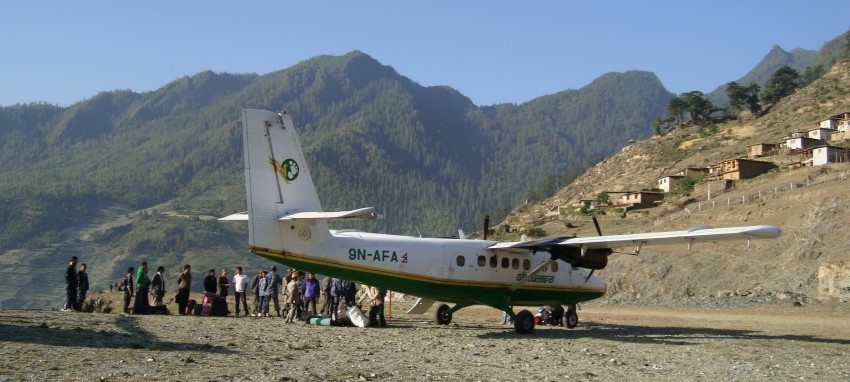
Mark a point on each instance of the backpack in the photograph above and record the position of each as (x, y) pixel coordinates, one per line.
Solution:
(190, 307)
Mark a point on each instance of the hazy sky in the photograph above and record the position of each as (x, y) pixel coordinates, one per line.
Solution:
(492, 51)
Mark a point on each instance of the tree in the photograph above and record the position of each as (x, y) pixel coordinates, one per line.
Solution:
(602, 199)
(781, 84)
(697, 106)
(676, 108)
(658, 126)
(740, 96)
(810, 74)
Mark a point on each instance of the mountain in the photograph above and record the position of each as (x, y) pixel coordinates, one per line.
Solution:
(776, 58)
(810, 261)
(126, 176)
(811, 64)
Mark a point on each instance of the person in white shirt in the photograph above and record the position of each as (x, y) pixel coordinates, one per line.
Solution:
(240, 288)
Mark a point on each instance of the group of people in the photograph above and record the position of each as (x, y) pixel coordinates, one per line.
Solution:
(300, 290)
(76, 286)
(138, 284)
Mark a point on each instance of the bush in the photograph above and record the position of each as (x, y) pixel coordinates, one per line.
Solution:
(98, 305)
(535, 232)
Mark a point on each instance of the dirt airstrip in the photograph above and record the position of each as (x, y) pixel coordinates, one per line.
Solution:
(612, 342)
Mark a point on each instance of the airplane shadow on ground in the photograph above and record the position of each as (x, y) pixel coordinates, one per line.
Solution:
(664, 335)
(130, 335)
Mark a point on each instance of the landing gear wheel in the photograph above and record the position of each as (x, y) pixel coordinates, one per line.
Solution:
(524, 322)
(442, 316)
(571, 317)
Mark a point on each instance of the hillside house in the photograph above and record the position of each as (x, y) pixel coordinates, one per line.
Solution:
(635, 200)
(801, 143)
(759, 150)
(694, 172)
(739, 168)
(833, 121)
(829, 123)
(821, 133)
(822, 155)
(587, 204)
(667, 183)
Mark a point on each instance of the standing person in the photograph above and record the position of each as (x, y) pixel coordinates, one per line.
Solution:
(311, 293)
(184, 282)
(223, 283)
(255, 289)
(349, 292)
(240, 287)
(158, 286)
(70, 301)
(210, 282)
(128, 289)
(143, 282)
(263, 290)
(336, 295)
(325, 288)
(293, 299)
(376, 304)
(82, 285)
(273, 284)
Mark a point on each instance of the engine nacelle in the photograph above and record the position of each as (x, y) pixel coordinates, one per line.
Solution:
(591, 259)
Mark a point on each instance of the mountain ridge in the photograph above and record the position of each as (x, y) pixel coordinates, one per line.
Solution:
(427, 157)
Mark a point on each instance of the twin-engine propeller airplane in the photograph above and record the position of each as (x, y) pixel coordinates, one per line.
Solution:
(286, 224)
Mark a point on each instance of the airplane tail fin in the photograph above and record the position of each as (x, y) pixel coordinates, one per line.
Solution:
(278, 184)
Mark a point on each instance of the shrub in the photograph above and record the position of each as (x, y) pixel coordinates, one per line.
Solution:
(99, 305)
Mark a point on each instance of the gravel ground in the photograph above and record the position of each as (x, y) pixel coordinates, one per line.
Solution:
(612, 342)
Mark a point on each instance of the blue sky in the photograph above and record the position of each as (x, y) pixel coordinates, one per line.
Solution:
(493, 51)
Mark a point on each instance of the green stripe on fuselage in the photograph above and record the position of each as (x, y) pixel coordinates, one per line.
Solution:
(440, 289)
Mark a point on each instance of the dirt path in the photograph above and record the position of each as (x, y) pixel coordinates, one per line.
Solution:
(611, 343)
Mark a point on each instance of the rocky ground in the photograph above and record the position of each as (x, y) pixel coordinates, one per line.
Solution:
(674, 341)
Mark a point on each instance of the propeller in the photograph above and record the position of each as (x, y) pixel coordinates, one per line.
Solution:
(596, 224)
(486, 225)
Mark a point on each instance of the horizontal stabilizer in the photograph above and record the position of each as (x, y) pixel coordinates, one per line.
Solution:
(367, 213)
(241, 216)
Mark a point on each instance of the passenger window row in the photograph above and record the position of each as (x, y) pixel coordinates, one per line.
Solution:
(506, 263)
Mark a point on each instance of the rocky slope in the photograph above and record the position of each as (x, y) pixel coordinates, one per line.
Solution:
(810, 204)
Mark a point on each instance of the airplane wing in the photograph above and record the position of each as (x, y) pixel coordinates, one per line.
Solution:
(241, 216)
(367, 213)
(592, 252)
(693, 235)
(690, 236)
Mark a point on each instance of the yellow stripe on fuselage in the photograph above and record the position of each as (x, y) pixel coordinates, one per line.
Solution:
(410, 276)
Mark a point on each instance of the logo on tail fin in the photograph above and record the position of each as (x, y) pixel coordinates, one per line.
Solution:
(288, 169)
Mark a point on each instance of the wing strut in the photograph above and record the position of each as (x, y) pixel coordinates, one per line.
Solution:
(533, 272)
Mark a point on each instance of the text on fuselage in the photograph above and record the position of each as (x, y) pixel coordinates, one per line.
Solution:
(376, 255)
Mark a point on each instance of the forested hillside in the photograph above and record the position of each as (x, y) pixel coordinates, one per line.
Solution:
(375, 137)
(425, 157)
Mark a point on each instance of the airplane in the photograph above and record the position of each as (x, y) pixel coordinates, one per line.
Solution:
(287, 225)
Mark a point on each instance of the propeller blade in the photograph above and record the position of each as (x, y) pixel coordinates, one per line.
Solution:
(486, 225)
(596, 224)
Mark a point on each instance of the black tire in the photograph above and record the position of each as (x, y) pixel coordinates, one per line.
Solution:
(442, 316)
(571, 317)
(524, 322)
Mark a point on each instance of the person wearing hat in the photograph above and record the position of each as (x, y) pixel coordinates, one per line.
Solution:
(273, 281)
